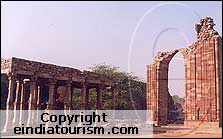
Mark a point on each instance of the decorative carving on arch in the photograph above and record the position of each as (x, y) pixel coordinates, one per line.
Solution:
(203, 72)
(205, 29)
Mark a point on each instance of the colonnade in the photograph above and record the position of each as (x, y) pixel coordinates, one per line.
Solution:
(20, 99)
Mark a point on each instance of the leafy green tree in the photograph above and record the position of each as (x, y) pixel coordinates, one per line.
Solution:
(130, 89)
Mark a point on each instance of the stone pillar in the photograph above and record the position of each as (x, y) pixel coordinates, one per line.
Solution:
(218, 71)
(162, 90)
(153, 91)
(39, 97)
(19, 84)
(22, 100)
(185, 89)
(71, 97)
(10, 98)
(68, 102)
(32, 101)
(83, 96)
(217, 77)
(51, 100)
(38, 112)
(113, 89)
(99, 97)
(22, 104)
(9, 104)
(33, 94)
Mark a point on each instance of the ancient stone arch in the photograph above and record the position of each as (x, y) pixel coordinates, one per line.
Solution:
(203, 78)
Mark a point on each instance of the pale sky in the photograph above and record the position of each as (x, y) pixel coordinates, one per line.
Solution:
(81, 34)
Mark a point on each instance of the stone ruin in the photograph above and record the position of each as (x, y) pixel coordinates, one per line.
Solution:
(203, 79)
(31, 85)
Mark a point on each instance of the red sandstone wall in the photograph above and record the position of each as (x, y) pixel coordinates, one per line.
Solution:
(203, 78)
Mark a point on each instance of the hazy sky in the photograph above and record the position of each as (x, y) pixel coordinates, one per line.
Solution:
(81, 34)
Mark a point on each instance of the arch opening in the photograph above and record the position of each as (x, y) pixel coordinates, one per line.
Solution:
(176, 90)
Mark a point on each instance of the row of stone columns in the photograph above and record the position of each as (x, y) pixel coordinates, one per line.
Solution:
(99, 90)
(34, 98)
(18, 103)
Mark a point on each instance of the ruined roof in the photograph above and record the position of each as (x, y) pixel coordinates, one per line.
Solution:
(28, 68)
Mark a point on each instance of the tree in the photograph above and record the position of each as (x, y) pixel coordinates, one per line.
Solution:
(130, 89)
(178, 99)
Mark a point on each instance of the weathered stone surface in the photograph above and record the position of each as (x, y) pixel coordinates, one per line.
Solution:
(203, 78)
(28, 68)
(31, 85)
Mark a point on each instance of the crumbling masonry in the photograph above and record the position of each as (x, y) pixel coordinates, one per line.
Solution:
(30, 84)
(203, 78)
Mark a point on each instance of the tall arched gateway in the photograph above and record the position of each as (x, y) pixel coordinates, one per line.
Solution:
(203, 78)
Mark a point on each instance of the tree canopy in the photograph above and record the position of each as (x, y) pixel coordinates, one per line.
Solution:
(130, 90)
